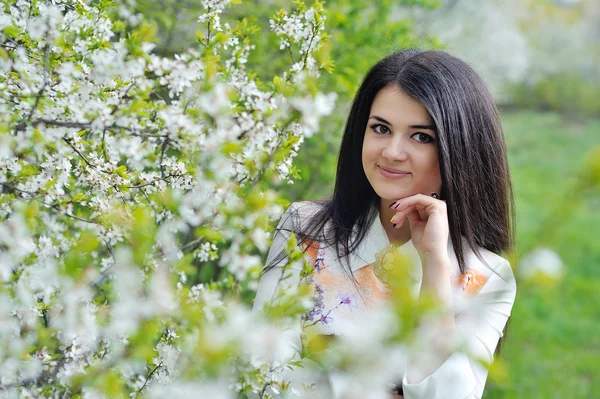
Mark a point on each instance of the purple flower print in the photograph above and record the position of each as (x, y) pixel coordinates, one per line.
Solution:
(320, 261)
(313, 314)
(317, 313)
(347, 299)
(322, 318)
(319, 306)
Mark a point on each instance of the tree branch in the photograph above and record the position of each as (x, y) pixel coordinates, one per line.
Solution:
(103, 274)
(152, 182)
(68, 141)
(162, 155)
(148, 378)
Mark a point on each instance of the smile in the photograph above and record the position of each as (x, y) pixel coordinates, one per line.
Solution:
(391, 175)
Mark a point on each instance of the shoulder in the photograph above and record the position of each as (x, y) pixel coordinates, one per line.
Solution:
(306, 209)
(489, 270)
(299, 214)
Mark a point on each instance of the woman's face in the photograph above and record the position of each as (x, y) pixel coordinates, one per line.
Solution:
(399, 152)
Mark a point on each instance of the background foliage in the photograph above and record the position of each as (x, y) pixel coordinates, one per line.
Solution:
(540, 58)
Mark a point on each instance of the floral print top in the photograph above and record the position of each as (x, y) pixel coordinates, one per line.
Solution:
(338, 301)
(371, 278)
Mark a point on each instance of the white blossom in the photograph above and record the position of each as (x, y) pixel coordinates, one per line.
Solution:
(112, 196)
(541, 261)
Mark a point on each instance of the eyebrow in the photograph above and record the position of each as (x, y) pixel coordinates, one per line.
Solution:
(428, 127)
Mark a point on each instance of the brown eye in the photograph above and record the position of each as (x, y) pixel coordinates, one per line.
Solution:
(380, 129)
(423, 138)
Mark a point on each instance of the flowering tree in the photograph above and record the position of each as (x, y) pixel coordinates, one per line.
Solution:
(124, 178)
(137, 196)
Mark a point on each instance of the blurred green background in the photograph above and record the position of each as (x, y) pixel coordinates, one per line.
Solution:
(540, 58)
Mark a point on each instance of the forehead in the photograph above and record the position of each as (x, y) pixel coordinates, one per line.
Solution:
(398, 108)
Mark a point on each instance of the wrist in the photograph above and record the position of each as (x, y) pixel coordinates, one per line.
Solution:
(436, 261)
(437, 276)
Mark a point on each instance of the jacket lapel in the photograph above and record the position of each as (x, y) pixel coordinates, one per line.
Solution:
(376, 240)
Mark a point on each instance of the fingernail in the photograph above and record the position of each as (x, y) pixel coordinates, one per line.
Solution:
(394, 225)
(393, 203)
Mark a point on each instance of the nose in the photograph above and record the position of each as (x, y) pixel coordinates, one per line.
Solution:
(396, 150)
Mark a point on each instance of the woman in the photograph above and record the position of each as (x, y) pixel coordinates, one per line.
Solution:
(422, 165)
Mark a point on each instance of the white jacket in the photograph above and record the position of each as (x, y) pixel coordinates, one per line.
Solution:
(461, 376)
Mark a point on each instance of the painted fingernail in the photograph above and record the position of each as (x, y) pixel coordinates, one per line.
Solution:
(394, 225)
(393, 203)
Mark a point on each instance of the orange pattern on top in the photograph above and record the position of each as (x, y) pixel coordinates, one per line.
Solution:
(369, 282)
(311, 251)
(371, 288)
(472, 281)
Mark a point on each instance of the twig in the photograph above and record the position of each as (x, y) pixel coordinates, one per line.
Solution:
(55, 206)
(13, 188)
(152, 182)
(46, 67)
(80, 125)
(148, 378)
(68, 141)
(102, 275)
(104, 145)
(162, 155)
(208, 30)
(147, 198)
(314, 34)
(191, 243)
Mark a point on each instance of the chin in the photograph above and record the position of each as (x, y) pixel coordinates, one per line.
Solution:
(390, 194)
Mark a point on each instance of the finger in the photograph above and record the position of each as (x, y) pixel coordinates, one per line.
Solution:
(418, 199)
(414, 218)
(399, 217)
(399, 222)
(408, 208)
(417, 218)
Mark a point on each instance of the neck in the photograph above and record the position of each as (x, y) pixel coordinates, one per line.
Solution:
(397, 236)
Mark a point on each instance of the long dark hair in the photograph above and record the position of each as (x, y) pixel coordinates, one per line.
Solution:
(472, 156)
(476, 182)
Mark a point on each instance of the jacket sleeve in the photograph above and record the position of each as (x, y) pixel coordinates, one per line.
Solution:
(269, 284)
(462, 375)
(272, 281)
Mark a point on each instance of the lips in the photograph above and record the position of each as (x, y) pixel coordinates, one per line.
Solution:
(395, 171)
(393, 174)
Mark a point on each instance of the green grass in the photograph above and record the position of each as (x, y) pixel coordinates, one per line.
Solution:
(553, 345)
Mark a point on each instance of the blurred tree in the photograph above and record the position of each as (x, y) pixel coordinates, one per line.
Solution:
(362, 33)
(487, 34)
(565, 53)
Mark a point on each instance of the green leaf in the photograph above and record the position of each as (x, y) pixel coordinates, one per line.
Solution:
(80, 256)
(208, 233)
(121, 170)
(12, 31)
(78, 197)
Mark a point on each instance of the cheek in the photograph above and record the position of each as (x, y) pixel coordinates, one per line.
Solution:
(434, 165)
(370, 150)
(366, 150)
(427, 163)
(434, 170)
